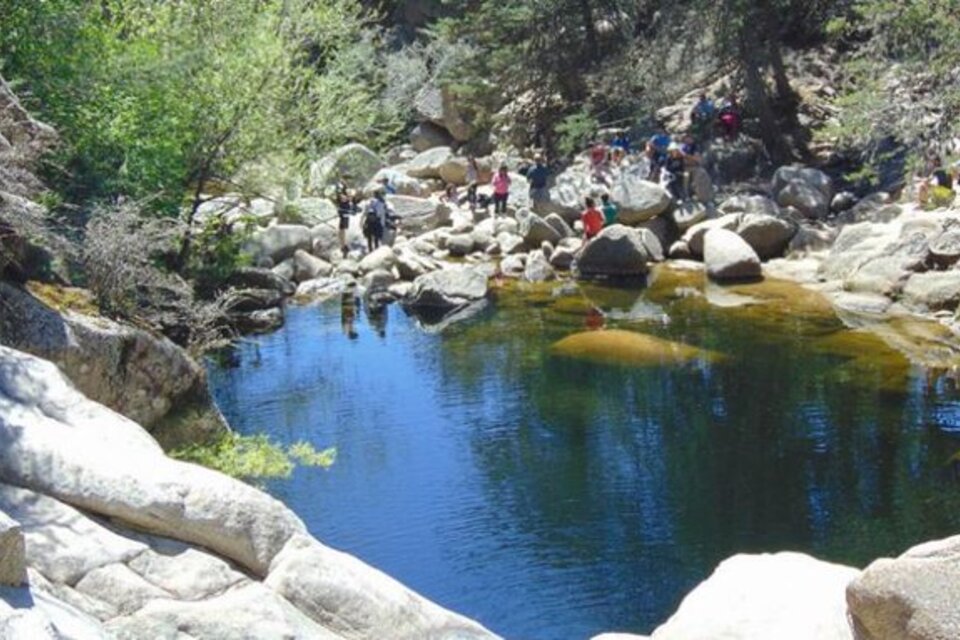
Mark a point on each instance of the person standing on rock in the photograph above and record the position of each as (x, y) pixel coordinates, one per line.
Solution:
(729, 117)
(375, 220)
(538, 175)
(592, 220)
(501, 190)
(610, 211)
(473, 181)
(346, 207)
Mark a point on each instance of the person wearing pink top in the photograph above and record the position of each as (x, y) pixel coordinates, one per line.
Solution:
(501, 190)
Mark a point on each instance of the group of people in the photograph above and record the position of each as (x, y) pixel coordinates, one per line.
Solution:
(709, 117)
(378, 216)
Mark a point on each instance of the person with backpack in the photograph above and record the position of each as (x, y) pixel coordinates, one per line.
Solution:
(729, 117)
(501, 190)
(538, 175)
(375, 220)
(610, 210)
(592, 220)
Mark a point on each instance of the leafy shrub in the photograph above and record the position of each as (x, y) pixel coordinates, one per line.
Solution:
(255, 458)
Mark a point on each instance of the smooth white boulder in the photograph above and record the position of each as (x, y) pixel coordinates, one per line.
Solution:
(727, 256)
(782, 596)
(355, 602)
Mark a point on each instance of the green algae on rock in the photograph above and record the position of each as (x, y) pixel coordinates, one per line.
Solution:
(616, 346)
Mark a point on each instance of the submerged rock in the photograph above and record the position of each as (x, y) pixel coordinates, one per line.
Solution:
(616, 346)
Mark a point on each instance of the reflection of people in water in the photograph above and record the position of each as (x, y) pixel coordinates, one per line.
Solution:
(348, 314)
(377, 317)
(595, 319)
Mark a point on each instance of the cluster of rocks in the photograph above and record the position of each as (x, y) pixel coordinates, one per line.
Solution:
(103, 536)
(792, 596)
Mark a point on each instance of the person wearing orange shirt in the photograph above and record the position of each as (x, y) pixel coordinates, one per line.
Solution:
(592, 219)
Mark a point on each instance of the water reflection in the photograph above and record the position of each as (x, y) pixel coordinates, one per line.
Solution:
(550, 497)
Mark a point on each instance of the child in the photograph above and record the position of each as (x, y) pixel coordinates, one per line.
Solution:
(592, 220)
(501, 190)
(610, 211)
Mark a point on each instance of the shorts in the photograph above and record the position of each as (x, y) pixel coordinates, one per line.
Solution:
(539, 194)
(344, 223)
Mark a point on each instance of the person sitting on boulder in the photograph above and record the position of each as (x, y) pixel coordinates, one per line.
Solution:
(622, 142)
(599, 161)
(501, 190)
(674, 172)
(473, 181)
(937, 187)
(538, 175)
(729, 117)
(616, 156)
(592, 220)
(450, 195)
(610, 210)
(702, 116)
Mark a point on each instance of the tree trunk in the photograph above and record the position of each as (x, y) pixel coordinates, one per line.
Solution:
(759, 101)
(586, 13)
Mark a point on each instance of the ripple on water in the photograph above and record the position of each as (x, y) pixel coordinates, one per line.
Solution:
(553, 497)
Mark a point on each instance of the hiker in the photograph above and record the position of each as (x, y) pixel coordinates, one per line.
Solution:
(691, 151)
(657, 152)
(375, 220)
(473, 180)
(702, 116)
(729, 117)
(387, 186)
(501, 190)
(616, 156)
(610, 210)
(450, 195)
(674, 172)
(937, 186)
(346, 207)
(622, 142)
(537, 175)
(599, 161)
(592, 220)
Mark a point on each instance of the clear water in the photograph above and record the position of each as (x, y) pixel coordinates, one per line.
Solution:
(550, 497)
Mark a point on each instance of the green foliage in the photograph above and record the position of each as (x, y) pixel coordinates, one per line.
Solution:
(160, 97)
(218, 251)
(255, 458)
(913, 45)
(575, 132)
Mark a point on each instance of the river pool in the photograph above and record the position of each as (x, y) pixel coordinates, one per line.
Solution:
(554, 497)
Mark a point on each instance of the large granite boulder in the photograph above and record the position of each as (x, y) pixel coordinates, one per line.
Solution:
(913, 597)
(439, 105)
(639, 200)
(279, 242)
(13, 561)
(355, 601)
(932, 290)
(428, 164)
(694, 235)
(768, 235)
(418, 214)
(808, 190)
(427, 135)
(448, 289)
(750, 204)
(728, 257)
(619, 251)
(535, 230)
(352, 164)
(787, 596)
(136, 373)
(569, 189)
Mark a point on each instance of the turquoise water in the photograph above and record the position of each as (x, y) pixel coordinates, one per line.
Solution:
(554, 497)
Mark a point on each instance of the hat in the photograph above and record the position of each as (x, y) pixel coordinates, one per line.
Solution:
(674, 147)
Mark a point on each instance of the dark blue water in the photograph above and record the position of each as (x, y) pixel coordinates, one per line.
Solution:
(554, 498)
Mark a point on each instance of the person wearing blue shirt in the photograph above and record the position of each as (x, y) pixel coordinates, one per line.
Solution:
(703, 115)
(537, 176)
(622, 141)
